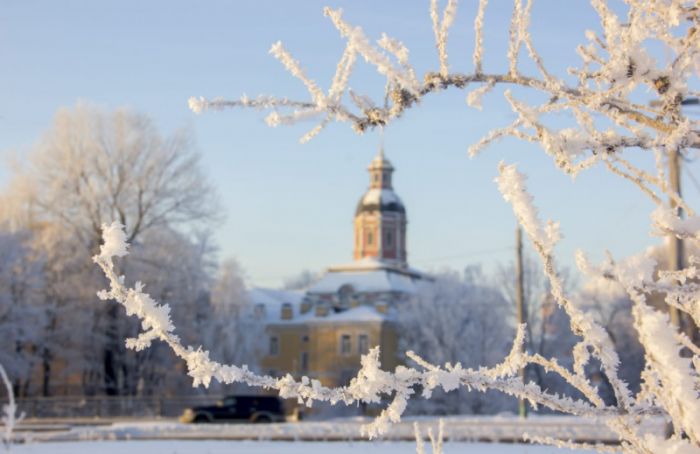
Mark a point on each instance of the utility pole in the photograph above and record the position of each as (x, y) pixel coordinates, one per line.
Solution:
(675, 250)
(520, 304)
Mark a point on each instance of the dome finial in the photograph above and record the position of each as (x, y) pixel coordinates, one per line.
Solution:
(381, 142)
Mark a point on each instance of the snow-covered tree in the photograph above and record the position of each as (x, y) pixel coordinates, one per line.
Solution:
(236, 334)
(301, 281)
(623, 102)
(92, 166)
(458, 319)
(22, 319)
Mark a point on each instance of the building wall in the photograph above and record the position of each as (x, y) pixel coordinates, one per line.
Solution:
(326, 362)
(379, 225)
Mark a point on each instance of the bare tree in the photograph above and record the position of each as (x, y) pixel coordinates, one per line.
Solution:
(93, 167)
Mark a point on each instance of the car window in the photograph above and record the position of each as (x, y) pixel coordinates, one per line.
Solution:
(229, 401)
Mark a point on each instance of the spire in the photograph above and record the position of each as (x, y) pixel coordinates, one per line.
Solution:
(381, 143)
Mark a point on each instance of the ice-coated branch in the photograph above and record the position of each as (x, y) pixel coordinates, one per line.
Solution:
(440, 28)
(9, 418)
(477, 57)
(281, 54)
(676, 380)
(359, 43)
(511, 183)
(620, 56)
(435, 440)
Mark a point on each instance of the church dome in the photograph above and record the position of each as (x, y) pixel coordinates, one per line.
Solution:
(382, 200)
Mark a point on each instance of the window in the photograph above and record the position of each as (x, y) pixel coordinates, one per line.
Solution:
(389, 239)
(304, 338)
(370, 238)
(345, 347)
(274, 346)
(304, 363)
(362, 344)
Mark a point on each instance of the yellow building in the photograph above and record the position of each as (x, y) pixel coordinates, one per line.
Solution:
(322, 333)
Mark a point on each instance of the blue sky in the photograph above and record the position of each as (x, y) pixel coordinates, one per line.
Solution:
(289, 206)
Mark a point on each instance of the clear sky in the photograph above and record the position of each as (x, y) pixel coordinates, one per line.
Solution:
(289, 206)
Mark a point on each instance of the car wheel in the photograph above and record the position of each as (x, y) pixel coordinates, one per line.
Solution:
(263, 419)
(199, 419)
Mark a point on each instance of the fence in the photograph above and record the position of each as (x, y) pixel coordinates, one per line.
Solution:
(109, 406)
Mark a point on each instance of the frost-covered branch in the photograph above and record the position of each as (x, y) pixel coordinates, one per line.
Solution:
(9, 419)
(677, 376)
(435, 440)
(621, 57)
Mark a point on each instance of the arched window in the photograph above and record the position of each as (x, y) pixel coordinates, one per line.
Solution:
(370, 238)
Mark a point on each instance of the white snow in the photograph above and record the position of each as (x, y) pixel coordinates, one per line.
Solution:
(457, 428)
(380, 196)
(114, 240)
(371, 280)
(511, 183)
(666, 221)
(270, 447)
(360, 314)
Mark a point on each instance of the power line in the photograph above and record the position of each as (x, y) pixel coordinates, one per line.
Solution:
(463, 255)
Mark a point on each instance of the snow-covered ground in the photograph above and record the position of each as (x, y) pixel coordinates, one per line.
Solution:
(456, 428)
(272, 447)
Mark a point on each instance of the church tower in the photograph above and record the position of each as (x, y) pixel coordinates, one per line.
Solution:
(380, 218)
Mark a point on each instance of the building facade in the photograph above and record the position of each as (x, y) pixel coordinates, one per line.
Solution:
(322, 332)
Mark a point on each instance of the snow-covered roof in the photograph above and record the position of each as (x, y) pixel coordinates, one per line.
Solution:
(373, 263)
(273, 300)
(365, 280)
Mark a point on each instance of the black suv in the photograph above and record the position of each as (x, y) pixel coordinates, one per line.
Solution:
(260, 409)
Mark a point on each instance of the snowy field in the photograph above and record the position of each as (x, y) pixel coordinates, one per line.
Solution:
(272, 447)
